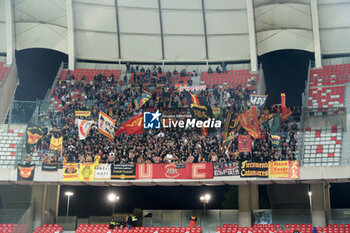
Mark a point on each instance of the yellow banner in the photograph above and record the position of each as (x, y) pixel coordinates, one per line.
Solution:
(82, 113)
(56, 143)
(87, 171)
(70, 172)
(279, 169)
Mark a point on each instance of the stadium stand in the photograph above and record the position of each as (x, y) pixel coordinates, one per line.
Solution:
(8, 227)
(102, 228)
(48, 228)
(233, 78)
(322, 146)
(288, 228)
(326, 88)
(62, 117)
(9, 141)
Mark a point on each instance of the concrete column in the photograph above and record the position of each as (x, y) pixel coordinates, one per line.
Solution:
(318, 212)
(316, 33)
(51, 202)
(254, 196)
(70, 34)
(252, 36)
(10, 31)
(44, 203)
(244, 206)
(37, 204)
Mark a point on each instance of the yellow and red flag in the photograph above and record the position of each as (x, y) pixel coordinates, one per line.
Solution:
(286, 112)
(132, 126)
(249, 121)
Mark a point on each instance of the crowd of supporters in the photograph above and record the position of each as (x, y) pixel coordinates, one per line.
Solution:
(116, 99)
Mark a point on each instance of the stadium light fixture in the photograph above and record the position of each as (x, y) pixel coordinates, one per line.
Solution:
(205, 198)
(112, 197)
(68, 194)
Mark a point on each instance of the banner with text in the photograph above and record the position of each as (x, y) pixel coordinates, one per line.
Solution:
(253, 169)
(258, 101)
(70, 172)
(48, 167)
(193, 88)
(82, 113)
(284, 169)
(123, 172)
(103, 172)
(226, 169)
(172, 171)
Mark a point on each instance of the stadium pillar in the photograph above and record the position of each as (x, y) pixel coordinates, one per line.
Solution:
(70, 34)
(43, 202)
(37, 204)
(317, 205)
(248, 199)
(316, 33)
(10, 32)
(254, 196)
(252, 36)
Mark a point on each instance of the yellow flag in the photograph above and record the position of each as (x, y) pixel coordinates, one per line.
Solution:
(86, 172)
(70, 172)
(56, 143)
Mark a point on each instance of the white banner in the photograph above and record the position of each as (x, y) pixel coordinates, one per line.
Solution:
(193, 88)
(103, 172)
(106, 125)
(258, 100)
(83, 128)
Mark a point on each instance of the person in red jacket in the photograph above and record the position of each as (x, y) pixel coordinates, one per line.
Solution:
(193, 220)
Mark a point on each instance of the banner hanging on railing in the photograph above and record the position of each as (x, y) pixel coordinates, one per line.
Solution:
(103, 172)
(123, 172)
(253, 169)
(47, 167)
(70, 172)
(173, 171)
(25, 172)
(86, 172)
(284, 169)
(226, 169)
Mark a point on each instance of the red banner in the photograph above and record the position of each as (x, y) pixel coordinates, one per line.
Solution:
(132, 126)
(285, 110)
(244, 143)
(174, 171)
(294, 169)
(249, 121)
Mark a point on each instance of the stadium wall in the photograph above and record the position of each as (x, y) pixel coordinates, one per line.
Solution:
(7, 92)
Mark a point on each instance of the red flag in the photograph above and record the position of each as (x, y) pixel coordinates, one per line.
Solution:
(132, 126)
(249, 121)
(285, 110)
(244, 143)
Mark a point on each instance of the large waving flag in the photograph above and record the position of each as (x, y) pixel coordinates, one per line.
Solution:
(140, 101)
(200, 108)
(286, 112)
(249, 121)
(232, 125)
(132, 126)
(106, 125)
(83, 128)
